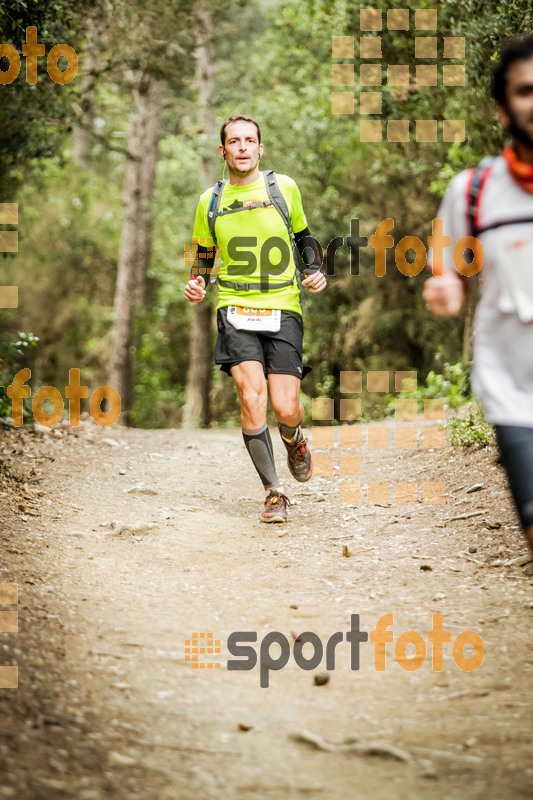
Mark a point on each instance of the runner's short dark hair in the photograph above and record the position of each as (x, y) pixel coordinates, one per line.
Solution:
(237, 118)
(519, 49)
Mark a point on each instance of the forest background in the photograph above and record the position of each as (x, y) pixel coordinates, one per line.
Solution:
(107, 170)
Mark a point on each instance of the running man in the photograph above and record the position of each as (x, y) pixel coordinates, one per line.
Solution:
(501, 195)
(259, 315)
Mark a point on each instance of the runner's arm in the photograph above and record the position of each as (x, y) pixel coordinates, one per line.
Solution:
(309, 249)
(444, 293)
(206, 259)
(311, 254)
(195, 289)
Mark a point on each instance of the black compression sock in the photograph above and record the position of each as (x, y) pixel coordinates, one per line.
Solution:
(259, 445)
(290, 434)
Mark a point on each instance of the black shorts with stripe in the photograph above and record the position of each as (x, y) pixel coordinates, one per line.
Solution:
(279, 352)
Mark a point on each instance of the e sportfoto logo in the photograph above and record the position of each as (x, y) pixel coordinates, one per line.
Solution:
(246, 657)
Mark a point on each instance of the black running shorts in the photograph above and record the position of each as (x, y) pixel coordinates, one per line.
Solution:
(279, 352)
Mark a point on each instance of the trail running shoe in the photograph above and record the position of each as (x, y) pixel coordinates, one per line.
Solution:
(300, 460)
(275, 507)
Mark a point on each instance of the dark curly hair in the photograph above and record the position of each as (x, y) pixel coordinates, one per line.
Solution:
(520, 49)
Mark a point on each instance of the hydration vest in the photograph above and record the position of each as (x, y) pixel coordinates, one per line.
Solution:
(475, 188)
(276, 199)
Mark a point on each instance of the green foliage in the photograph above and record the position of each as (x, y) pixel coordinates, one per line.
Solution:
(452, 385)
(273, 61)
(33, 117)
(160, 364)
(471, 429)
(14, 355)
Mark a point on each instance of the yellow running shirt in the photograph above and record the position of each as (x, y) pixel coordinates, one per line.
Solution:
(243, 261)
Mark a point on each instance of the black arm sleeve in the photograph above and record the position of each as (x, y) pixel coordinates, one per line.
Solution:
(206, 259)
(309, 249)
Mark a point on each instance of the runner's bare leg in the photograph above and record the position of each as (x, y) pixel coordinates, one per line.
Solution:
(252, 390)
(285, 399)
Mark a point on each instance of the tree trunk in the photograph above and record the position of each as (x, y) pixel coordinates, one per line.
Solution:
(134, 255)
(83, 130)
(196, 411)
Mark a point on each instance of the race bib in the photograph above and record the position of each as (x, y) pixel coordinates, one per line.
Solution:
(254, 319)
(515, 270)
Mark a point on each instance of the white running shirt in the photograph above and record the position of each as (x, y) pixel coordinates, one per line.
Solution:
(502, 373)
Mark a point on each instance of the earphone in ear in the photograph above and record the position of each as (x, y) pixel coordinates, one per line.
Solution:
(224, 156)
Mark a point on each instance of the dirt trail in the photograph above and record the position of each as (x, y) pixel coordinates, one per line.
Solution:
(107, 705)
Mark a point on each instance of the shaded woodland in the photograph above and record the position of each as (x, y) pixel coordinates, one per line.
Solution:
(107, 171)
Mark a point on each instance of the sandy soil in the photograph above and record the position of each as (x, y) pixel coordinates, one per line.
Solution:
(107, 705)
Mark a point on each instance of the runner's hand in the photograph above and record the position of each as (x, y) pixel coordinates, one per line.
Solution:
(316, 281)
(194, 290)
(444, 294)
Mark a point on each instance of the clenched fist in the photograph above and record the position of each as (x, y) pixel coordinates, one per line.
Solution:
(444, 294)
(195, 289)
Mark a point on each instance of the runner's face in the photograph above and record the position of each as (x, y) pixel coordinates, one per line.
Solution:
(517, 115)
(242, 147)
